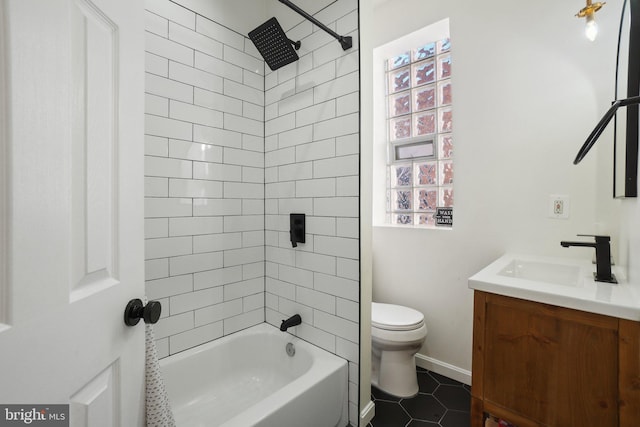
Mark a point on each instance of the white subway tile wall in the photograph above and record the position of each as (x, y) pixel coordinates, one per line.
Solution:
(312, 167)
(232, 149)
(204, 177)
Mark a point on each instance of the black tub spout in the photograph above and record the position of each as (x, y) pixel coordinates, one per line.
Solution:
(292, 321)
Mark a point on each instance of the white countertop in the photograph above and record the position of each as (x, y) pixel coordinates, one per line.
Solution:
(618, 300)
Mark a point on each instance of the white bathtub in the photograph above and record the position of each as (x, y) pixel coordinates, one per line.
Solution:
(247, 379)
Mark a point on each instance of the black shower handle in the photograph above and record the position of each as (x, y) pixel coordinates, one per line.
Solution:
(297, 228)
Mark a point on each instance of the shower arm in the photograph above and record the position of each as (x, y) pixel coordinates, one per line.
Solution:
(345, 41)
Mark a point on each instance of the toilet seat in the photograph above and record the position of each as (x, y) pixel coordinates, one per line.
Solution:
(391, 317)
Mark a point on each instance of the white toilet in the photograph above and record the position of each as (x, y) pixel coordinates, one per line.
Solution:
(397, 333)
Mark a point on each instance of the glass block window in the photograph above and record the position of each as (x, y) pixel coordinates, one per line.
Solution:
(420, 166)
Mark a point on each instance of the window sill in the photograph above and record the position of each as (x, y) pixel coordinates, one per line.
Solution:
(404, 227)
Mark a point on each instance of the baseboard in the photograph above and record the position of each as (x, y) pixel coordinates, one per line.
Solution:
(443, 368)
(367, 413)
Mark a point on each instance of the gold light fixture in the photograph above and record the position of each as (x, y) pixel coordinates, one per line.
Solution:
(589, 11)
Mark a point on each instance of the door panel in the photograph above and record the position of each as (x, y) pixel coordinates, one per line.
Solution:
(94, 168)
(74, 219)
(96, 404)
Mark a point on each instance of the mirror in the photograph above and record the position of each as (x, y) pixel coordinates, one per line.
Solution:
(625, 167)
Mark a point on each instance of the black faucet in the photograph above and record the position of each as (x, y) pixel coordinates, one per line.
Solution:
(292, 321)
(603, 256)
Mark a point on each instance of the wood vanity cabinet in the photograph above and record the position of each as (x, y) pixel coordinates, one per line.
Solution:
(539, 365)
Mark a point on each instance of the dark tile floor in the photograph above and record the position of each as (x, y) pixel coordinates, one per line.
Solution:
(441, 401)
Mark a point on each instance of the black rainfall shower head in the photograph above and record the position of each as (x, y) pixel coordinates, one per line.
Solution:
(273, 44)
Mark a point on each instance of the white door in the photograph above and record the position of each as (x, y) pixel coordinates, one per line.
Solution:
(71, 193)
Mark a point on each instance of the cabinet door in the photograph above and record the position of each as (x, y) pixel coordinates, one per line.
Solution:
(555, 366)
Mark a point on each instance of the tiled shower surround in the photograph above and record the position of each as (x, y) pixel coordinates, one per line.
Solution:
(204, 177)
(311, 167)
(230, 153)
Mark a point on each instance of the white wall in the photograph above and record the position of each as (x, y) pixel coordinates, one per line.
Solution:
(527, 89)
(630, 239)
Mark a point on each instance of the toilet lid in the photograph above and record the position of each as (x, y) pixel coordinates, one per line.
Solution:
(395, 317)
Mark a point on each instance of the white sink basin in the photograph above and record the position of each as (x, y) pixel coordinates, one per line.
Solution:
(564, 282)
(559, 274)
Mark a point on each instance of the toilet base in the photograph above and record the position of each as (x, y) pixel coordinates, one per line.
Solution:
(394, 372)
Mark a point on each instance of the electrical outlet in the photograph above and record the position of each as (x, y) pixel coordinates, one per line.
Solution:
(559, 206)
